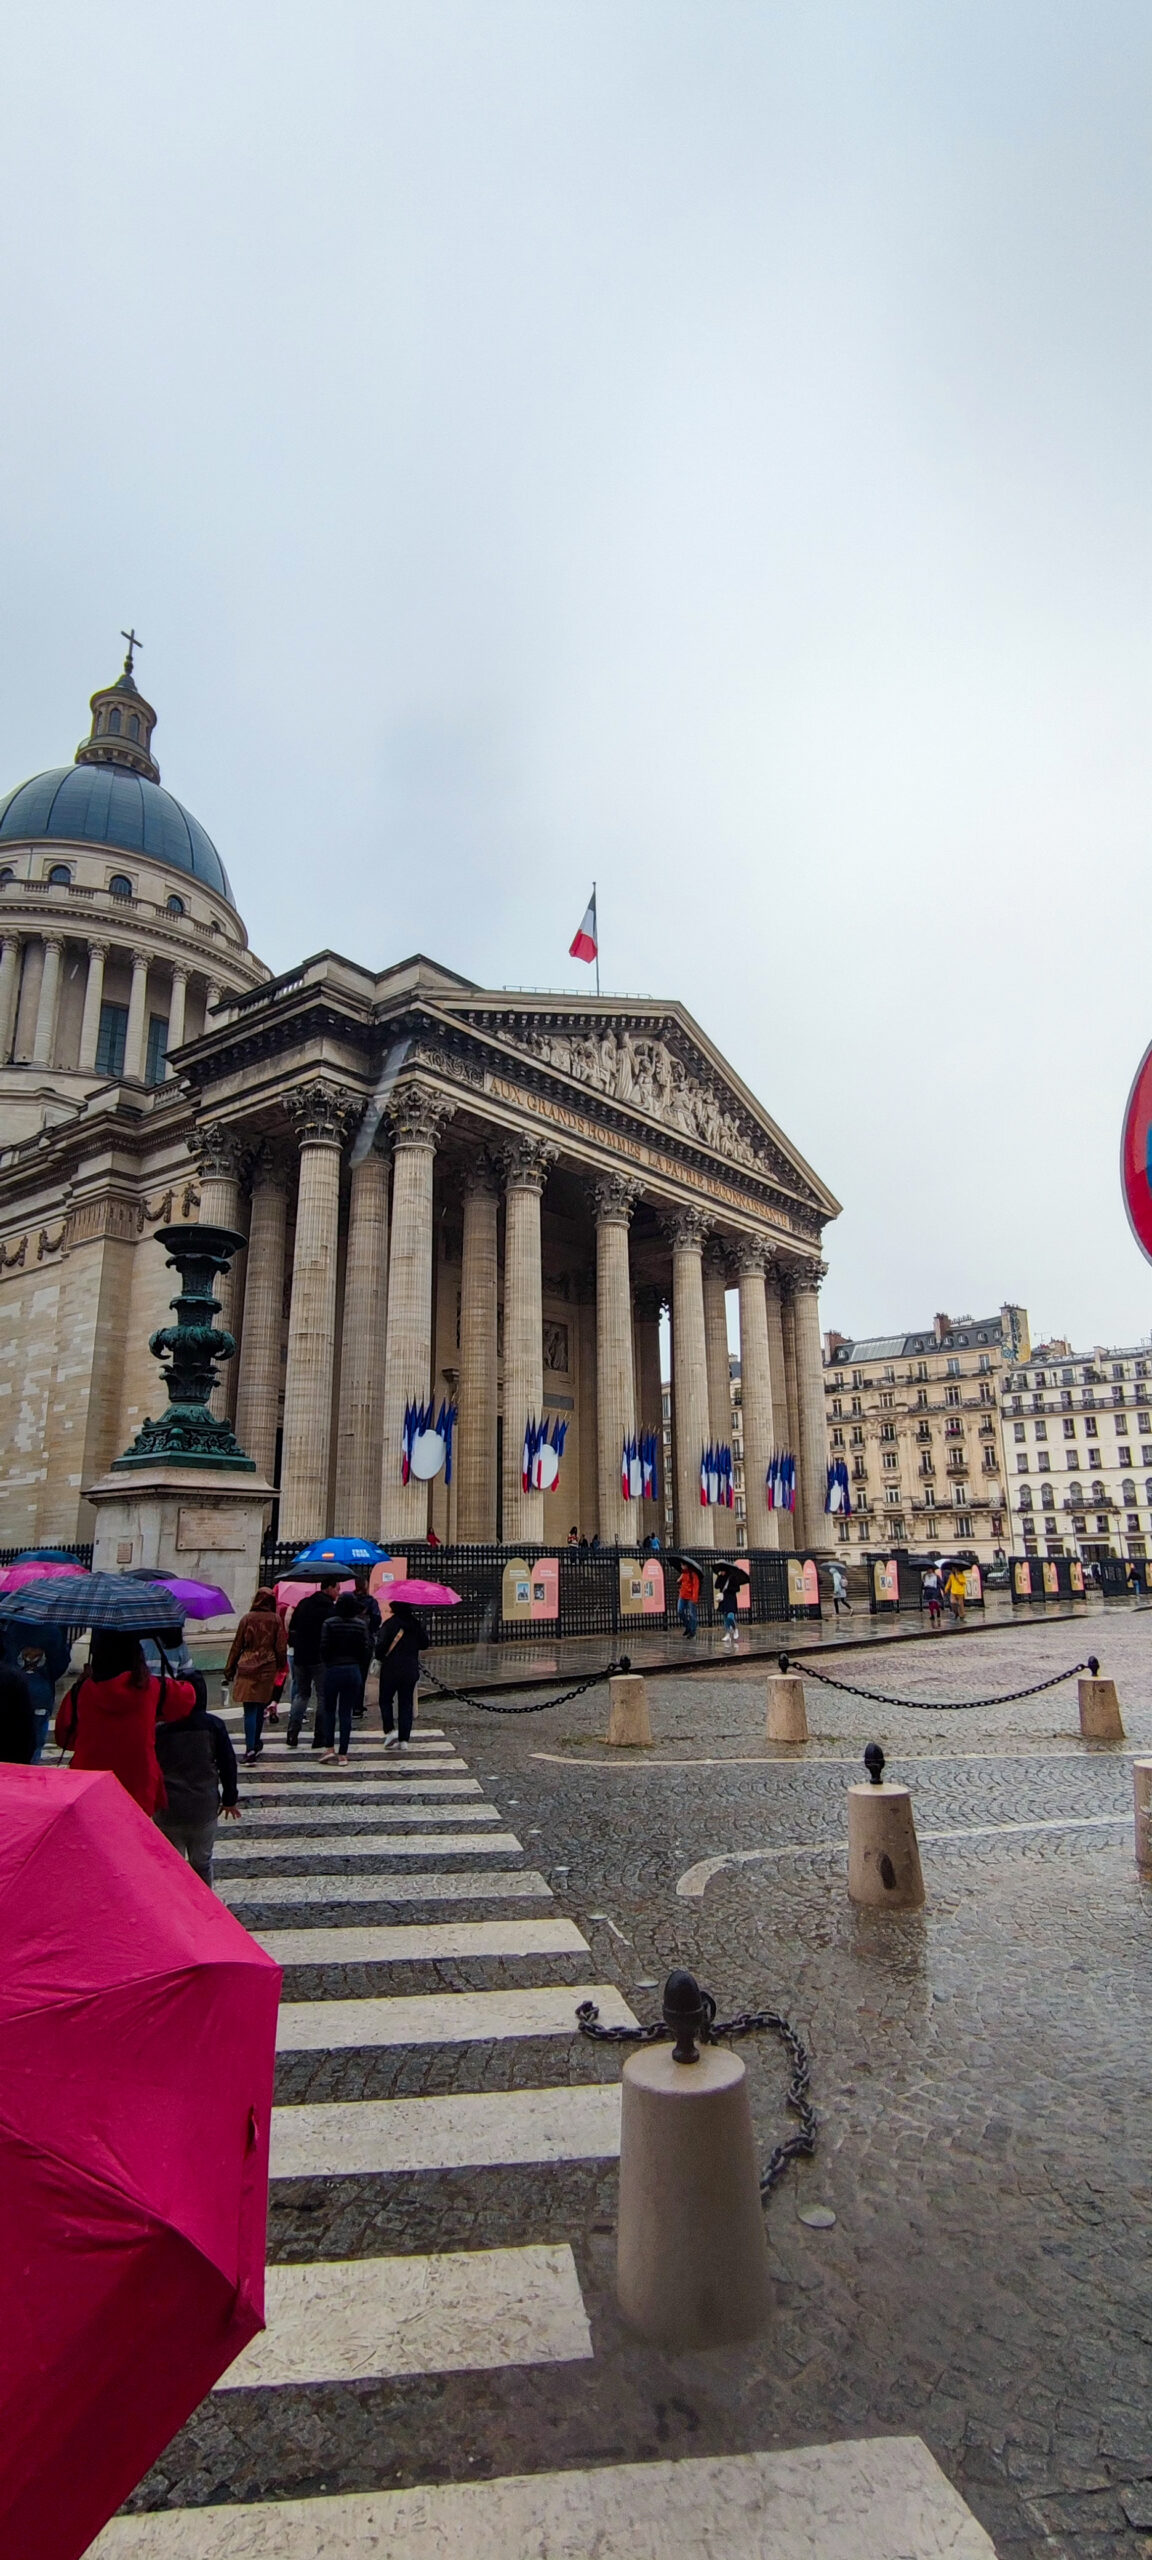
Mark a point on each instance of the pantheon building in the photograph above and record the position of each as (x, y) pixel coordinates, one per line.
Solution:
(451, 1195)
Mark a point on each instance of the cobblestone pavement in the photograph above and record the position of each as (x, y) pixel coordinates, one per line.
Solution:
(981, 2070)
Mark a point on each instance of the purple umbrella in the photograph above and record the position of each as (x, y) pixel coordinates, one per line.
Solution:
(197, 1599)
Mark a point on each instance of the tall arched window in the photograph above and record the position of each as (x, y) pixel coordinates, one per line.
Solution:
(120, 885)
(1128, 1490)
(1048, 1498)
(1025, 1497)
(1075, 1493)
(114, 722)
(133, 725)
(1098, 1493)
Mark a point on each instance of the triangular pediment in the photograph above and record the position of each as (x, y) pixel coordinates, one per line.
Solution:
(655, 1063)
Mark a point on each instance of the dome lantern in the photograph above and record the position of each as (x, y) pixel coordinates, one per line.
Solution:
(122, 724)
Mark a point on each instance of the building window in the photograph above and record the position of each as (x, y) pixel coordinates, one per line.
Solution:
(921, 1372)
(837, 1439)
(953, 1369)
(176, 907)
(1048, 1498)
(1092, 1427)
(6, 874)
(1026, 1497)
(1069, 1430)
(1127, 1490)
(1075, 1493)
(156, 1067)
(963, 1528)
(1018, 1430)
(1073, 1460)
(886, 1403)
(60, 876)
(1021, 1462)
(889, 1377)
(1043, 1461)
(1102, 1525)
(134, 724)
(120, 885)
(857, 1407)
(890, 1457)
(887, 1430)
(892, 1493)
(1097, 1492)
(1123, 1457)
(857, 1438)
(922, 1401)
(857, 1377)
(1041, 1430)
(1133, 1520)
(114, 722)
(110, 1039)
(985, 1395)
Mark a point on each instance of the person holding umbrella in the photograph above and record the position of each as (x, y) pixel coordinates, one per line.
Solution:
(729, 1578)
(305, 1627)
(401, 1641)
(259, 1650)
(198, 1766)
(688, 1596)
(108, 1718)
(345, 1653)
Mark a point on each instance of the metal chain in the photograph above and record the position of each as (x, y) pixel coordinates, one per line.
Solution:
(948, 1706)
(534, 1707)
(747, 2022)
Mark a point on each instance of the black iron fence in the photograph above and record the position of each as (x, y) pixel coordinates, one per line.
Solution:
(512, 1595)
(75, 1555)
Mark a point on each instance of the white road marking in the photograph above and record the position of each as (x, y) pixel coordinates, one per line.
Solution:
(363, 2137)
(444, 2017)
(695, 1880)
(886, 2497)
(331, 1817)
(502, 1882)
(465, 2310)
(374, 1844)
(420, 1942)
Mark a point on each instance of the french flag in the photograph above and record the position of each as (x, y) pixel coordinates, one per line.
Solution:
(587, 943)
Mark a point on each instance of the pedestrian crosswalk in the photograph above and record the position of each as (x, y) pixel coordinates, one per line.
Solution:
(391, 2315)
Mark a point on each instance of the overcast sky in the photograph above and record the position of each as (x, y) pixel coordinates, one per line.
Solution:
(699, 447)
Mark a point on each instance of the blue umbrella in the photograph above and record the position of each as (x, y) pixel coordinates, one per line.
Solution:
(348, 1553)
(47, 1555)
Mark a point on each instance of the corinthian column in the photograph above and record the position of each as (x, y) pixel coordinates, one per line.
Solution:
(44, 1036)
(649, 1403)
(475, 1468)
(320, 1115)
(93, 999)
(526, 1167)
(221, 1154)
(177, 1006)
(813, 1452)
(360, 1428)
(715, 1277)
(687, 1229)
(755, 1392)
(136, 1033)
(783, 1422)
(258, 1382)
(9, 992)
(417, 1113)
(614, 1199)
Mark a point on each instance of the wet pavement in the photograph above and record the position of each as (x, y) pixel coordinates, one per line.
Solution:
(981, 2071)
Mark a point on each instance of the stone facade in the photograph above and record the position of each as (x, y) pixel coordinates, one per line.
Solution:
(449, 1193)
(917, 1419)
(1078, 1443)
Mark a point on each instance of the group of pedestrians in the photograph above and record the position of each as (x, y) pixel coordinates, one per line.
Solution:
(332, 1640)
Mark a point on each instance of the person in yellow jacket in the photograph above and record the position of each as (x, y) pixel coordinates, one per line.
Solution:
(956, 1591)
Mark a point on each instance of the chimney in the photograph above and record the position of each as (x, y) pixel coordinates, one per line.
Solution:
(832, 1344)
(940, 1326)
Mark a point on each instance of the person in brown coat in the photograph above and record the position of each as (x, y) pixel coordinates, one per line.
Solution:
(258, 1655)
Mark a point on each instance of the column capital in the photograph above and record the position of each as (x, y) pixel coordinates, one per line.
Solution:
(322, 1114)
(52, 941)
(753, 1253)
(718, 1256)
(649, 1301)
(807, 1276)
(10, 939)
(220, 1152)
(481, 1178)
(97, 944)
(527, 1163)
(141, 961)
(687, 1230)
(418, 1113)
(271, 1167)
(180, 968)
(614, 1197)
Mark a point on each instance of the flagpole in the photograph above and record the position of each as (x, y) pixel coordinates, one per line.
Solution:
(596, 936)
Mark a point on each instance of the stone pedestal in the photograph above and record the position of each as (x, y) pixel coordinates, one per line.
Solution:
(787, 1712)
(628, 1721)
(692, 2256)
(883, 1854)
(1100, 1719)
(194, 1521)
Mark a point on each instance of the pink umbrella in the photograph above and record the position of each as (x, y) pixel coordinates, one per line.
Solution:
(423, 1595)
(137, 2033)
(14, 1576)
(290, 1594)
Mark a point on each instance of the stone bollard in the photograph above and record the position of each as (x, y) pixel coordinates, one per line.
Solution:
(787, 1713)
(628, 1721)
(1100, 1719)
(691, 2253)
(1142, 1792)
(883, 1856)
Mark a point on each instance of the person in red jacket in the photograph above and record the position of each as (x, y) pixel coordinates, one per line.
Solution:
(108, 1720)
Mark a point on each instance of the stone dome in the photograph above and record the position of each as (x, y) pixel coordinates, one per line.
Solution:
(105, 805)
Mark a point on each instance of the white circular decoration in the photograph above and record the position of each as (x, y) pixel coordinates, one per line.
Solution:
(547, 1468)
(427, 1454)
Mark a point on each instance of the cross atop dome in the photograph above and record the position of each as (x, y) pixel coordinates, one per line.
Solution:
(118, 736)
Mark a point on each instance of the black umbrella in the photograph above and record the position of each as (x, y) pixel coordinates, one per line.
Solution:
(96, 1600)
(730, 1572)
(672, 1555)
